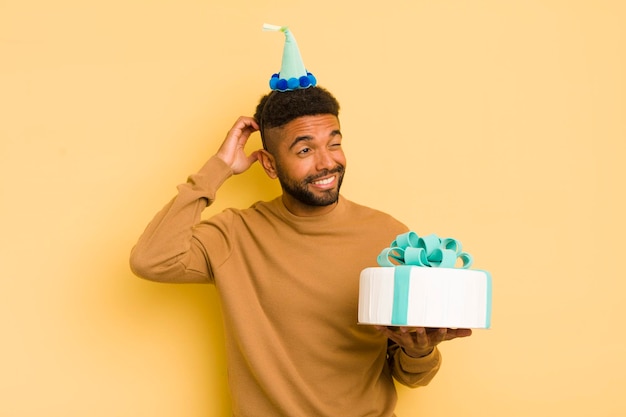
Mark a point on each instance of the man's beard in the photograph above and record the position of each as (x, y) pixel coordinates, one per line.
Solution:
(300, 191)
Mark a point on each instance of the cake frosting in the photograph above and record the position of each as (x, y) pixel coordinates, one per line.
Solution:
(425, 282)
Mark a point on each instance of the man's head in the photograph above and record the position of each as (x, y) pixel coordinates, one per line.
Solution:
(302, 147)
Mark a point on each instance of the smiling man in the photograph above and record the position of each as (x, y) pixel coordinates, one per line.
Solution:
(287, 270)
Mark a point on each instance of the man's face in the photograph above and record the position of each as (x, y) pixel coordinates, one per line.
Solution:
(309, 160)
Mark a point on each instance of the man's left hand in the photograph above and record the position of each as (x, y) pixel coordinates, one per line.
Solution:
(420, 341)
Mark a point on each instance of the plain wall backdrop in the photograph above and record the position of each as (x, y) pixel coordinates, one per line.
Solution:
(499, 123)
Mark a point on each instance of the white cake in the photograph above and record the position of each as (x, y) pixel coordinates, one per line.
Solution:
(425, 297)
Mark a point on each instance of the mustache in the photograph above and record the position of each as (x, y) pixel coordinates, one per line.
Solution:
(339, 169)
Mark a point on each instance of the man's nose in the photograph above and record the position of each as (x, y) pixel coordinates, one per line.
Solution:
(324, 160)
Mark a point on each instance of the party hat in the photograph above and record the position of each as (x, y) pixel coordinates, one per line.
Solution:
(293, 75)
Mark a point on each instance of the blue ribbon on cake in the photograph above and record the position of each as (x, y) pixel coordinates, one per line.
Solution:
(409, 250)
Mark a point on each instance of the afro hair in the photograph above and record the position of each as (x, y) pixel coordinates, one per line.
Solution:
(276, 108)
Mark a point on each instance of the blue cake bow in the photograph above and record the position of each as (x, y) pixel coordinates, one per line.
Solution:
(410, 250)
(429, 251)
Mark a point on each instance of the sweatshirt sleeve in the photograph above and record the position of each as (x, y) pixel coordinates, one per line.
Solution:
(413, 372)
(167, 250)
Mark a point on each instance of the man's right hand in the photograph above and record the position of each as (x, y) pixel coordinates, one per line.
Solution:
(232, 151)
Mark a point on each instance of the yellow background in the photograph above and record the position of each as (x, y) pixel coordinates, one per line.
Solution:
(501, 123)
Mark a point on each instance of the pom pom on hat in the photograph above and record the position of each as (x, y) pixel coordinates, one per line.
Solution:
(293, 75)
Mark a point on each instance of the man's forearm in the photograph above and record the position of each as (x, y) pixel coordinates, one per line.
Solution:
(166, 251)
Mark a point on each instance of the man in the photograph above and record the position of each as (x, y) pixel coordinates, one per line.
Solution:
(287, 270)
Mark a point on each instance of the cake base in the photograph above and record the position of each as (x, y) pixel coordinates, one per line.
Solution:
(425, 297)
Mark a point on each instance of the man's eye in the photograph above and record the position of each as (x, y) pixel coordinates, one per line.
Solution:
(304, 150)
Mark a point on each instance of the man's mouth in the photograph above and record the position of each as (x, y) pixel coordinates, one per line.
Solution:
(327, 177)
(324, 181)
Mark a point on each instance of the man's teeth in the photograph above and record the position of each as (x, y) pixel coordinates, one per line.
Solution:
(324, 181)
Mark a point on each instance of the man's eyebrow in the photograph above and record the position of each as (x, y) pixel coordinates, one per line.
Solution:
(299, 139)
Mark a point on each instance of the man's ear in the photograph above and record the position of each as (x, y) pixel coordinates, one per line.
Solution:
(268, 163)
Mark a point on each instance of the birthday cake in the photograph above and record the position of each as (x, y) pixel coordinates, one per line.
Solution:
(425, 282)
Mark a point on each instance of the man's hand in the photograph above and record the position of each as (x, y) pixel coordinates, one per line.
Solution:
(232, 150)
(420, 341)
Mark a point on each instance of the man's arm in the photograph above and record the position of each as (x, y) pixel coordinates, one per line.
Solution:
(167, 250)
(413, 354)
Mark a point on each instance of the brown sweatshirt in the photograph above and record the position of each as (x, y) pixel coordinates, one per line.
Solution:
(288, 288)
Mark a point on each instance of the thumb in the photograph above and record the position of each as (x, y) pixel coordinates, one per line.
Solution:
(243, 163)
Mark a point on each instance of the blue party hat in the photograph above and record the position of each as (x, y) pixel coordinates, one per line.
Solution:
(293, 74)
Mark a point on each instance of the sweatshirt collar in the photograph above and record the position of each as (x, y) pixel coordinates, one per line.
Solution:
(331, 216)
